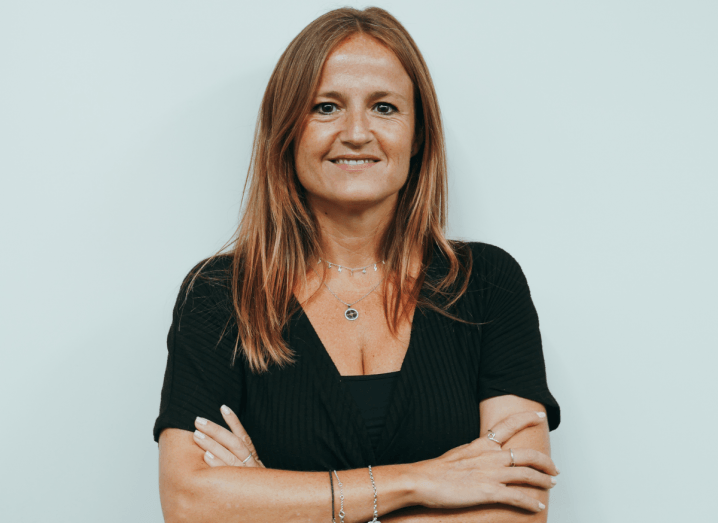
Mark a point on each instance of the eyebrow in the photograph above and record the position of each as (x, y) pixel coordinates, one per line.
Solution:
(373, 96)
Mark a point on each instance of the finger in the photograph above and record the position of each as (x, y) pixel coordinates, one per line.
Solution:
(515, 498)
(229, 447)
(212, 461)
(527, 476)
(527, 458)
(531, 458)
(238, 430)
(207, 443)
(508, 427)
(236, 426)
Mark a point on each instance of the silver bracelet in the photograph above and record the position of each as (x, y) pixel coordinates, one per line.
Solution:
(373, 485)
(341, 499)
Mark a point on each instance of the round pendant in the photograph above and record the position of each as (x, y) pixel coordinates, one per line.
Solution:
(351, 314)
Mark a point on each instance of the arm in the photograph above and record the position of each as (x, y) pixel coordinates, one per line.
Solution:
(493, 410)
(194, 487)
(191, 490)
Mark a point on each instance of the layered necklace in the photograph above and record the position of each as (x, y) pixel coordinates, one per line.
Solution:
(351, 313)
(351, 270)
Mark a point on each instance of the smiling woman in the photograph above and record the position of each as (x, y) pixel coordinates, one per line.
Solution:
(356, 144)
(431, 402)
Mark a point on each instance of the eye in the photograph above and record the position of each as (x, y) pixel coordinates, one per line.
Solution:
(326, 108)
(385, 108)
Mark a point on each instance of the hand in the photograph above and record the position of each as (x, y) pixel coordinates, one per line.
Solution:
(478, 473)
(222, 447)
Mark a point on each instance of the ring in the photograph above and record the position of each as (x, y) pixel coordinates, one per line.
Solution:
(247, 458)
(513, 463)
(492, 437)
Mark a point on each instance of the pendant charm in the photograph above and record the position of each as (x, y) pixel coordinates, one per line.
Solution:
(351, 314)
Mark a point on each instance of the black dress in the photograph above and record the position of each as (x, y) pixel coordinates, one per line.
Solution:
(304, 417)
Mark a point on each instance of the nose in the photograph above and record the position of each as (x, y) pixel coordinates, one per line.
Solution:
(356, 131)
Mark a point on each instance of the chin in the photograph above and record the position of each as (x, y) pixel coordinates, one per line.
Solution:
(360, 201)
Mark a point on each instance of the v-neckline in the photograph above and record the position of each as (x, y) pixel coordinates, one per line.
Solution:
(341, 405)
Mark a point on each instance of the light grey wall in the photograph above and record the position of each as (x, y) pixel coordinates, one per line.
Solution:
(582, 137)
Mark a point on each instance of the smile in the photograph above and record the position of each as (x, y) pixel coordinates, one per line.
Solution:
(355, 164)
(343, 161)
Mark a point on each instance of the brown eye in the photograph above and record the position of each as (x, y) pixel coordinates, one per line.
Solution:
(384, 108)
(325, 108)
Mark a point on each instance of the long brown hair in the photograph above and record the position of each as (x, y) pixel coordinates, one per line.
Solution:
(278, 234)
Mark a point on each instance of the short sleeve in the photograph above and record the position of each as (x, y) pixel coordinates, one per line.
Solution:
(200, 376)
(511, 355)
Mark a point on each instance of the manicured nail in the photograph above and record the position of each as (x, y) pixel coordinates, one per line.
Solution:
(558, 471)
(541, 506)
(225, 409)
(199, 434)
(541, 414)
(553, 480)
(202, 421)
(209, 455)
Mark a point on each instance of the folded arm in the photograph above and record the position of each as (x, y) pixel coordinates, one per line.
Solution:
(473, 474)
(492, 411)
(191, 490)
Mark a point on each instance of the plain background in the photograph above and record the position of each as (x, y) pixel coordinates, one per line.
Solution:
(583, 139)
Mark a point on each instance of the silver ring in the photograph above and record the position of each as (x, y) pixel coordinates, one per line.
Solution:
(513, 463)
(247, 458)
(492, 437)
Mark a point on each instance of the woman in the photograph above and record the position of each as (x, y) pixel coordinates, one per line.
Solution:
(344, 330)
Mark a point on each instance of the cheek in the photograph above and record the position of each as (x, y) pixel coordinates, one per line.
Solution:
(316, 139)
(313, 145)
(398, 145)
(303, 153)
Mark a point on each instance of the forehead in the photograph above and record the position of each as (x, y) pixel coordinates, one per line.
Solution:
(363, 63)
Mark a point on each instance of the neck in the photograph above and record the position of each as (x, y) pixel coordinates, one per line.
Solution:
(352, 238)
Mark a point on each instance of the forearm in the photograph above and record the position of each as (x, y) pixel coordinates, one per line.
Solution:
(233, 494)
(479, 514)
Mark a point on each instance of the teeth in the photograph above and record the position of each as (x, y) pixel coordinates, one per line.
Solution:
(353, 162)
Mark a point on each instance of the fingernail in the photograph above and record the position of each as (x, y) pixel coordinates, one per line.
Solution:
(202, 421)
(553, 480)
(199, 434)
(558, 471)
(225, 409)
(541, 506)
(541, 414)
(209, 455)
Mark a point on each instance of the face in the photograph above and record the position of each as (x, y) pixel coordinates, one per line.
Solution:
(354, 149)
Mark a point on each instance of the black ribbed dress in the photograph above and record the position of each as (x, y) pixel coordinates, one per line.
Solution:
(304, 417)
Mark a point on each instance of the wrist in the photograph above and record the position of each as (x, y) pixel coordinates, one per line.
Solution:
(411, 481)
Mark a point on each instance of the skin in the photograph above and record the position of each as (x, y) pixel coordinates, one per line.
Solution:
(363, 109)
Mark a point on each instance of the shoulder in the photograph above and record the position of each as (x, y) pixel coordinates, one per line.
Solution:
(492, 264)
(207, 288)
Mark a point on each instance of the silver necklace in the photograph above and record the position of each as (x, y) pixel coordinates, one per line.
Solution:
(351, 313)
(350, 269)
